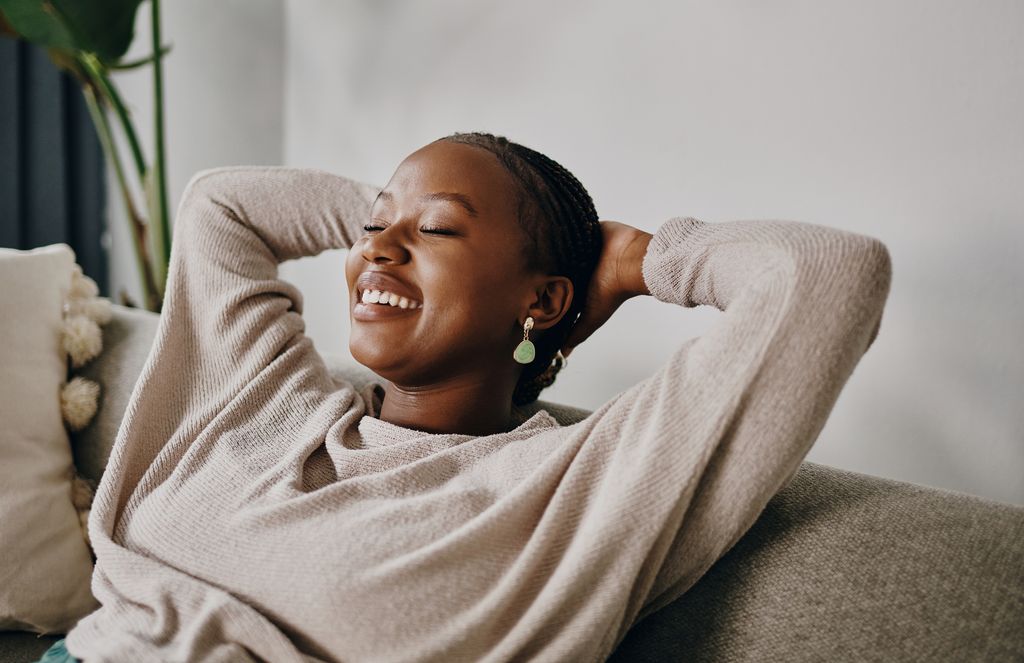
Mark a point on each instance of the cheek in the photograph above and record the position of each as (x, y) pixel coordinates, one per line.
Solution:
(466, 280)
(476, 301)
(352, 267)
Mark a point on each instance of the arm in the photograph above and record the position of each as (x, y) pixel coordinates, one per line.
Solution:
(227, 315)
(294, 212)
(701, 446)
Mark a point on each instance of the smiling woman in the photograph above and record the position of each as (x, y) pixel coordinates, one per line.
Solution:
(253, 508)
(520, 235)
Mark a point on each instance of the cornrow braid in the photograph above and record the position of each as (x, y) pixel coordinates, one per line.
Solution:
(563, 237)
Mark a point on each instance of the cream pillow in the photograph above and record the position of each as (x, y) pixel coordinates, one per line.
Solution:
(46, 565)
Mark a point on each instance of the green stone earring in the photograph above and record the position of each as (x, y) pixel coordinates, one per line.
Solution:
(525, 352)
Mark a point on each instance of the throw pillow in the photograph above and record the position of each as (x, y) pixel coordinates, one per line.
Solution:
(46, 566)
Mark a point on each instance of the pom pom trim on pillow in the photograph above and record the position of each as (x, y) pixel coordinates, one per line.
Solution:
(82, 492)
(79, 400)
(82, 340)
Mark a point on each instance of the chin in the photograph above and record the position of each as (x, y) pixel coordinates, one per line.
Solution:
(380, 361)
(371, 360)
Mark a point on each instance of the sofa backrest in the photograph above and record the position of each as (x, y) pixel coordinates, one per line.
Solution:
(844, 566)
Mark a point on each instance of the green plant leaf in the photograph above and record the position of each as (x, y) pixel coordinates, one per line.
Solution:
(103, 27)
(33, 22)
(6, 29)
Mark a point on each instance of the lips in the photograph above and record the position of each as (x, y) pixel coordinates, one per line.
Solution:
(379, 280)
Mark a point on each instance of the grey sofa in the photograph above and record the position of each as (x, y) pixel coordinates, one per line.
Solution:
(840, 566)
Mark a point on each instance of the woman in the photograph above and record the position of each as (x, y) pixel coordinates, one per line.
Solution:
(254, 509)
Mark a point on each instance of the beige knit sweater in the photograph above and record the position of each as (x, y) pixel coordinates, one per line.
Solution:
(254, 509)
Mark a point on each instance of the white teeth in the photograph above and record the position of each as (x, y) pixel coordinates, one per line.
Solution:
(388, 298)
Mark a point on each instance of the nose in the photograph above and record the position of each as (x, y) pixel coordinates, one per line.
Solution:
(385, 246)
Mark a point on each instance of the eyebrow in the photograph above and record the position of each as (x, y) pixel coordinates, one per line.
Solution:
(446, 196)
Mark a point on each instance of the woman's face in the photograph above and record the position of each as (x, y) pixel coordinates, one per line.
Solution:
(445, 229)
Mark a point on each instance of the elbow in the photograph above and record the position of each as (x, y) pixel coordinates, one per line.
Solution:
(875, 267)
(876, 280)
(206, 190)
(206, 183)
(850, 278)
(198, 188)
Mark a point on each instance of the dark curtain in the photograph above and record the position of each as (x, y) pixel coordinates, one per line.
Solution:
(51, 164)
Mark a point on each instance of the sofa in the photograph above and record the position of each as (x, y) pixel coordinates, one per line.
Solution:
(840, 566)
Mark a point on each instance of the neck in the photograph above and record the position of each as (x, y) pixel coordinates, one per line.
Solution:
(467, 406)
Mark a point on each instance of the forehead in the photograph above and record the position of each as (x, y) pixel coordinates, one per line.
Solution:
(447, 167)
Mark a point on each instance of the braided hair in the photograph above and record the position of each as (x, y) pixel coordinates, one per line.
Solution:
(563, 235)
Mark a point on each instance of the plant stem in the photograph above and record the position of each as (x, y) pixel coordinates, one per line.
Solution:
(135, 64)
(99, 118)
(99, 77)
(162, 220)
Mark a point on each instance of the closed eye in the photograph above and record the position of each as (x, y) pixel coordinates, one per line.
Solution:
(435, 231)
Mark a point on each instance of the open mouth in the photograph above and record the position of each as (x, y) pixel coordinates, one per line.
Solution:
(385, 298)
(382, 305)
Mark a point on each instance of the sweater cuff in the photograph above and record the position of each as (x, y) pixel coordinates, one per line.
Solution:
(669, 267)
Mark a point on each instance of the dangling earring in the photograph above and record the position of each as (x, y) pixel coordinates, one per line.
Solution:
(525, 352)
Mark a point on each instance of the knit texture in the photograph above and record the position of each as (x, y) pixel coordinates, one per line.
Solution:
(254, 509)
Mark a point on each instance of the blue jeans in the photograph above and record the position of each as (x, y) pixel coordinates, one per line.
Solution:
(58, 653)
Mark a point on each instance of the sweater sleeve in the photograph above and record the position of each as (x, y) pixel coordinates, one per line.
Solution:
(227, 314)
(699, 448)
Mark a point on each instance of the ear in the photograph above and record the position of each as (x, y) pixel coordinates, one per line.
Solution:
(551, 300)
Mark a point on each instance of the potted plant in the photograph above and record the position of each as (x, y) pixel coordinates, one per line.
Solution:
(89, 40)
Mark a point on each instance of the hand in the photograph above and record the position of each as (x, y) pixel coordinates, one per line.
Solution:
(617, 277)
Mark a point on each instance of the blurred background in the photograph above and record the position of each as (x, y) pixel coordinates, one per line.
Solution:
(897, 120)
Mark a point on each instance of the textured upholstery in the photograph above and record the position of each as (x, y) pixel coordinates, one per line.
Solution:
(127, 339)
(844, 566)
(840, 566)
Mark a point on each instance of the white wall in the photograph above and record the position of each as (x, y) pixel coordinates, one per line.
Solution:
(897, 120)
